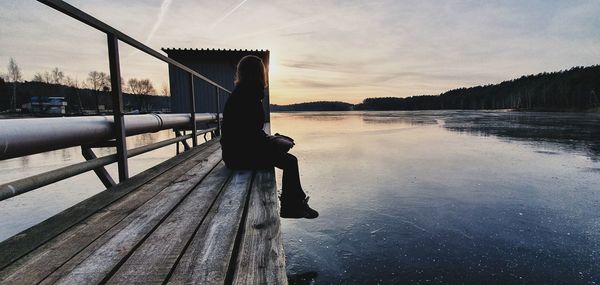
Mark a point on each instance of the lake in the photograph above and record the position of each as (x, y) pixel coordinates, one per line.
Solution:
(423, 197)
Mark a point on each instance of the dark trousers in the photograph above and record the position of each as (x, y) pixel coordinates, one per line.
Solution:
(291, 189)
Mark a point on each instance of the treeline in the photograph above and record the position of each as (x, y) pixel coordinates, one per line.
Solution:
(91, 94)
(79, 100)
(575, 89)
(314, 106)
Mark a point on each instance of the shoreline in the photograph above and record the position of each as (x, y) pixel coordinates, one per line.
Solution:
(9, 116)
(593, 110)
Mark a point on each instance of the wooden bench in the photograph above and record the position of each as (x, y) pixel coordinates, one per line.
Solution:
(187, 220)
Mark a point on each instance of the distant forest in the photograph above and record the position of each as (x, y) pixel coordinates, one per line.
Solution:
(576, 89)
(314, 106)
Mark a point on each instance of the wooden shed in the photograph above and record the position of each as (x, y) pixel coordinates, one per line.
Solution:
(216, 64)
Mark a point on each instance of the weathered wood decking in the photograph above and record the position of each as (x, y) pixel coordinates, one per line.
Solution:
(188, 220)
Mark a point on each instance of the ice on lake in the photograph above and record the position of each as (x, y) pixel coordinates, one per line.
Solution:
(474, 197)
(446, 197)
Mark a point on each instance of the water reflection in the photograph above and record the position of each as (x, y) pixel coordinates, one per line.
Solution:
(26, 210)
(579, 132)
(410, 197)
(404, 118)
(571, 131)
(306, 278)
(445, 197)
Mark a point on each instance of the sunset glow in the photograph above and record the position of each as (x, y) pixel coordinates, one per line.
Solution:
(322, 50)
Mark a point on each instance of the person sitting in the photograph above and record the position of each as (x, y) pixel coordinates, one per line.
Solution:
(245, 145)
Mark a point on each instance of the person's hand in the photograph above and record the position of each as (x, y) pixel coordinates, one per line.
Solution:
(282, 143)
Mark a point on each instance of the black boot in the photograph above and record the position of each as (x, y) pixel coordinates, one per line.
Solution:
(297, 209)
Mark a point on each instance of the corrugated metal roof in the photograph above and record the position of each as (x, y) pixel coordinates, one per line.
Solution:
(214, 50)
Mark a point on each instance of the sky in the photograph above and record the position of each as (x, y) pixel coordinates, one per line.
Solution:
(334, 50)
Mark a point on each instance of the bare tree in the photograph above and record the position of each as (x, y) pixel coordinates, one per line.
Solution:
(98, 81)
(45, 77)
(74, 83)
(38, 77)
(14, 71)
(164, 90)
(141, 88)
(71, 82)
(57, 76)
(14, 75)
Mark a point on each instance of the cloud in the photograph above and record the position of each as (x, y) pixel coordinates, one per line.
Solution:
(321, 50)
(311, 65)
(296, 34)
(310, 83)
(164, 7)
(269, 31)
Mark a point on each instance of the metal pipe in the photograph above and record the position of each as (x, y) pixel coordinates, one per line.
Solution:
(25, 185)
(20, 137)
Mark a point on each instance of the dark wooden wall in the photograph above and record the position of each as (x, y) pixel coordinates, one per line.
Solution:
(218, 66)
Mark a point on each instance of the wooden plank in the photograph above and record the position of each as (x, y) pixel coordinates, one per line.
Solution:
(207, 259)
(38, 264)
(261, 259)
(152, 262)
(17, 246)
(95, 262)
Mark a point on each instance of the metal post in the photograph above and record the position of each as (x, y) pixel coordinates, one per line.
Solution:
(13, 99)
(218, 131)
(186, 146)
(193, 111)
(117, 102)
(101, 172)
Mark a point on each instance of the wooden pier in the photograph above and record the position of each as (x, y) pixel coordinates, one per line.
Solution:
(188, 220)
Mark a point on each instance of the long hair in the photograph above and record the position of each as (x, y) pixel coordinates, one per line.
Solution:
(251, 71)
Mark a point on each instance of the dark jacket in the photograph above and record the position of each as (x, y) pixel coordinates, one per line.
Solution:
(243, 140)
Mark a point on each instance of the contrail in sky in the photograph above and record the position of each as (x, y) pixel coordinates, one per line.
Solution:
(227, 15)
(291, 24)
(164, 7)
(300, 22)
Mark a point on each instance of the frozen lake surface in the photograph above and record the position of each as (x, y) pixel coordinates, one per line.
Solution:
(424, 197)
(446, 197)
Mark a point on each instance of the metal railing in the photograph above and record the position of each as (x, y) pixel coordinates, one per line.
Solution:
(112, 132)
